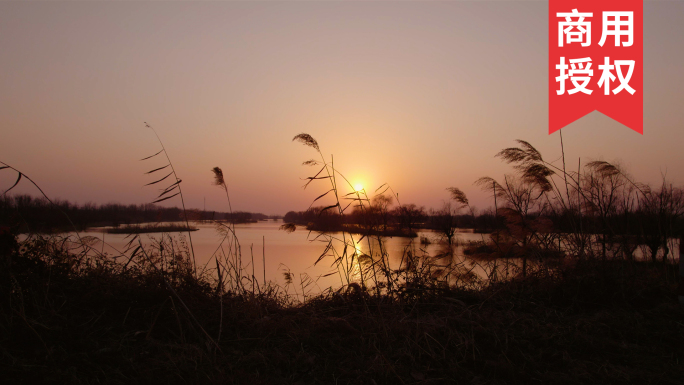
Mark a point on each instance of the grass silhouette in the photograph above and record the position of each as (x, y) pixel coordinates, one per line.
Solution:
(583, 312)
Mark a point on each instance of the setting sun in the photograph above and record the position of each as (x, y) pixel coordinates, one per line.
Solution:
(358, 187)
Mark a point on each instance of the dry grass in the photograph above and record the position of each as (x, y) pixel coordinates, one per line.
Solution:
(70, 321)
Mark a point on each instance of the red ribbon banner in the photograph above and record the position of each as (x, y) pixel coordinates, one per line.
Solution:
(596, 57)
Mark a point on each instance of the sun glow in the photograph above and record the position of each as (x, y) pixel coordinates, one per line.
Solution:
(358, 187)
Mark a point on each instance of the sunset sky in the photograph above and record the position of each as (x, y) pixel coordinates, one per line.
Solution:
(420, 95)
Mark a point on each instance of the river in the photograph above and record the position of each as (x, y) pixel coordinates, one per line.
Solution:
(294, 252)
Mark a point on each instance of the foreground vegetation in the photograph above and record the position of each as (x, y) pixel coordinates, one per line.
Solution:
(576, 304)
(65, 318)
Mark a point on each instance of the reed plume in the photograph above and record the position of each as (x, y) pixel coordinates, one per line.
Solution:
(307, 140)
(218, 176)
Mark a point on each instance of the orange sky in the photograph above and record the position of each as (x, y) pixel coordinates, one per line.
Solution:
(417, 94)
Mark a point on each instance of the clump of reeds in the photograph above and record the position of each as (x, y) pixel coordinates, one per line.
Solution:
(417, 273)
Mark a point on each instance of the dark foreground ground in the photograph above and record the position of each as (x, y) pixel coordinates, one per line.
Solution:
(595, 323)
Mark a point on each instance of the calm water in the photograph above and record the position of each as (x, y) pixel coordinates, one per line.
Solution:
(297, 252)
(294, 252)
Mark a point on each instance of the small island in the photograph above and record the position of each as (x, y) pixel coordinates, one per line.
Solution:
(150, 228)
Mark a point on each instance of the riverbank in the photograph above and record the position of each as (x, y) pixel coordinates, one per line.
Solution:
(361, 230)
(380, 231)
(591, 322)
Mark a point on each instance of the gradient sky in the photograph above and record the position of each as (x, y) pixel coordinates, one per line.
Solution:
(421, 95)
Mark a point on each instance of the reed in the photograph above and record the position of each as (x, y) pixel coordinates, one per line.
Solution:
(172, 190)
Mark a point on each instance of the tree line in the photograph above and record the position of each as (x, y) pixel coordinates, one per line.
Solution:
(25, 213)
(540, 209)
